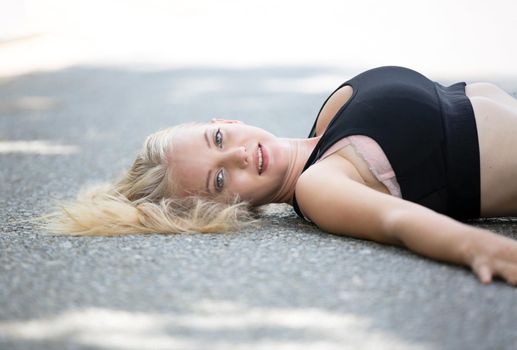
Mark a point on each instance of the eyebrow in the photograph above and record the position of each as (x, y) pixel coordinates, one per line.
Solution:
(208, 181)
(209, 171)
(206, 139)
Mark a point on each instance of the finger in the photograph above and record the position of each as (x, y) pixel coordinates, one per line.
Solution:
(485, 275)
(482, 270)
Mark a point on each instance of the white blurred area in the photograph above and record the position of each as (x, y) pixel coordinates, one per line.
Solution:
(453, 39)
(221, 325)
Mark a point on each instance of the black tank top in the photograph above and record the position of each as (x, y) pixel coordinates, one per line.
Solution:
(426, 130)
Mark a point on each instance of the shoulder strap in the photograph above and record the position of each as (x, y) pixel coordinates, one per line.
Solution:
(312, 133)
(321, 143)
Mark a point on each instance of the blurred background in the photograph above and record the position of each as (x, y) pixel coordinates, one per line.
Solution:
(83, 83)
(457, 39)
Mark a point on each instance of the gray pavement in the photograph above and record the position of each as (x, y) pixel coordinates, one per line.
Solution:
(283, 284)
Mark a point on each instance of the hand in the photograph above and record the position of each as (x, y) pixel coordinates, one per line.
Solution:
(489, 254)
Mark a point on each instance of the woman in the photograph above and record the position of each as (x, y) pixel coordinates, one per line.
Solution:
(392, 157)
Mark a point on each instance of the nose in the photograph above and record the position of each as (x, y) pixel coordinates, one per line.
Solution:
(236, 156)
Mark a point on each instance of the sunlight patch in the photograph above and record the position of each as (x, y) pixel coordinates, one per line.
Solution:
(229, 326)
(36, 147)
(27, 104)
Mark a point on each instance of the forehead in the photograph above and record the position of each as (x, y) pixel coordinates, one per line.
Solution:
(188, 137)
(189, 160)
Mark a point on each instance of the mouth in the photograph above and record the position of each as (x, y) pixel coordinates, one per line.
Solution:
(262, 159)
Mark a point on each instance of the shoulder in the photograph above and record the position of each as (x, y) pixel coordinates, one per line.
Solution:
(335, 101)
(322, 177)
(322, 182)
(336, 164)
(328, 195)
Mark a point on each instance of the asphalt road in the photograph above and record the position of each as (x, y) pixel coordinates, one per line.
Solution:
(283, 284)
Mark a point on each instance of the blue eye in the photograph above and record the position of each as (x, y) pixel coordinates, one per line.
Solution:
(218, 139)
(219, 181)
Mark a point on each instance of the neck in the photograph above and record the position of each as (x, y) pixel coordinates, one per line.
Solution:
(299, 152)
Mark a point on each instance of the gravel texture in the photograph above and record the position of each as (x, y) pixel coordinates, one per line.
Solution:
(282, 284)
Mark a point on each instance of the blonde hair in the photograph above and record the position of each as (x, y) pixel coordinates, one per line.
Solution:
(143, 201)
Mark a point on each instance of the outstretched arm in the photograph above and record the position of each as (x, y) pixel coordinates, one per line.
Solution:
(340, 205)
(440, 237)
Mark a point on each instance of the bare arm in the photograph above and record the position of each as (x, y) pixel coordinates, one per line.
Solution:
(340, 205)
(440, 237)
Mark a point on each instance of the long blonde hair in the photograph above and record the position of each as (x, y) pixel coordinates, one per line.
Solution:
(143, 201)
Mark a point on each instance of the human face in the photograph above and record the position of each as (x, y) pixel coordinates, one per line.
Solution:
(224, 157)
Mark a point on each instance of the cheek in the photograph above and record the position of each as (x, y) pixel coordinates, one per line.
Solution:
(243, 185)
(190, 179)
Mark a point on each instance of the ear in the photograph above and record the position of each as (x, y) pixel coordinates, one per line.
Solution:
(226, 121)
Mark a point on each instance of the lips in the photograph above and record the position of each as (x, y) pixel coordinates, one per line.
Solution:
(261, 159)
(265, 159)
(258, 155)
